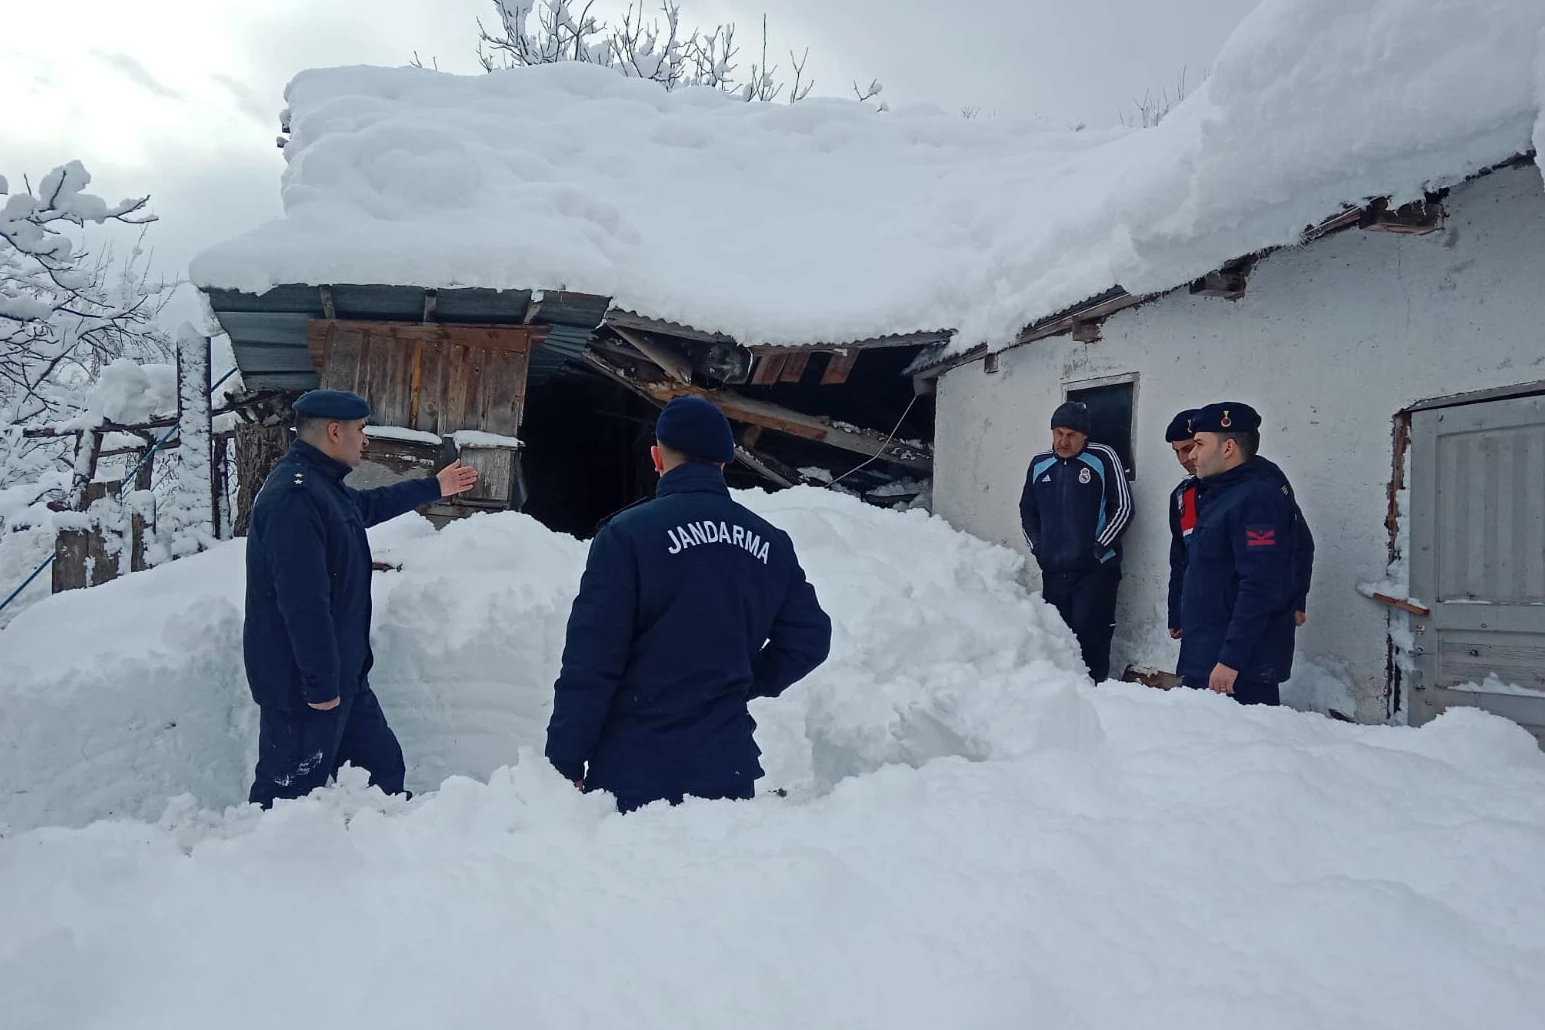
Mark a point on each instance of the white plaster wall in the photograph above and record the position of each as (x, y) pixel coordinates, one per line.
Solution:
(1329, 342)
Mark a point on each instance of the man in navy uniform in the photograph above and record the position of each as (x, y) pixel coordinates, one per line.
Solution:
(690, 606)
(1182, 520)
(306, 640)
(1241, 585)
(1182, 510)
(1074, 508)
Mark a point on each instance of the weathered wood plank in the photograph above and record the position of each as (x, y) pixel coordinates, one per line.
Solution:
(495, 473)
(794, 367)
(431, 395)
(839, 367)
(458, 380)
(768, 369)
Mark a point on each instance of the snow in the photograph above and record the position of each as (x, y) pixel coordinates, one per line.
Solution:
(402, 435)
(1494, 685)
(973, 835)
(478, 438)
(570, 176)
(184, 517)
(130, 393)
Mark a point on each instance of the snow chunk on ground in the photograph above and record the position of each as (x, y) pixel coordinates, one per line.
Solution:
(571, 176)
(974, 835)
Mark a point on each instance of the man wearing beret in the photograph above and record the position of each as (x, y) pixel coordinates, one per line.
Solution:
(1241, 586)
(306, 640)
(1074, 508)
(1182, 520)
(690, 606)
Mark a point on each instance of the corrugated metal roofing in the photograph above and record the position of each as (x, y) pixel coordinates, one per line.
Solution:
(268, 331)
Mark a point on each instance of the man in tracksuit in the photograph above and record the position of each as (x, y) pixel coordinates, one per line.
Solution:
(1241, 582)
(1074, 508)
(690, 606)
(1182, 520)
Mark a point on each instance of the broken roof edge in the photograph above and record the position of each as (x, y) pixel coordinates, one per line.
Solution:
(938, 359)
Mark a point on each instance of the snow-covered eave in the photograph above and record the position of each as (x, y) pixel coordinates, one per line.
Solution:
(1376, 213)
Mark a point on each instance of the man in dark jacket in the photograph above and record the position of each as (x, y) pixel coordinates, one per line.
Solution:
(1182, 520)
(1241, 581)
(1074, 508)
(690, 606)
(306, 639)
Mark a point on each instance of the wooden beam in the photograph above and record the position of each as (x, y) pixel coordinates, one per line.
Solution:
(328, 311)
(1403, 605)
(671, 363)
(533, 306)
(768, 468)
(840, 366)
(430, 297)
(775, 417)
(1086, 332)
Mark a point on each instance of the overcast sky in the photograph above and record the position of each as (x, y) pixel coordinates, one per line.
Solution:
(180, 98)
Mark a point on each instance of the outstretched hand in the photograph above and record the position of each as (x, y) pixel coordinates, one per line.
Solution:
(456, 478)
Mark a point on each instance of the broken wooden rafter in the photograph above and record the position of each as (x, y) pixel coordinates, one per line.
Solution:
(670, 362)
(533, 306)
(768, 415)
(430, 299)
(329, 311)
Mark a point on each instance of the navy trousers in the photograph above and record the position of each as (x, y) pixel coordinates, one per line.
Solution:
(629, 802)
(301, 750)
(1087, 603)
(1247, 692)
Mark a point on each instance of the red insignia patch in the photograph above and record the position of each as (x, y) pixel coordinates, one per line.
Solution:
(1261, 536)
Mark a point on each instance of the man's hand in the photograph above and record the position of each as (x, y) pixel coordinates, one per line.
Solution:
(1222, 679)
(1299, 618)
(1174, 634)
(456, 478)
(580, 785)
(326, 706)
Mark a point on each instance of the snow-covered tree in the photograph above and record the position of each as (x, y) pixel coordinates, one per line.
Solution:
(664, 52)
(65, 312)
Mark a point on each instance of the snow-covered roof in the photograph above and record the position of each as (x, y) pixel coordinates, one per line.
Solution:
(831, 221)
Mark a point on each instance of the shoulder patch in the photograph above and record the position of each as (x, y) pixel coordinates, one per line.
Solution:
(1261, 536)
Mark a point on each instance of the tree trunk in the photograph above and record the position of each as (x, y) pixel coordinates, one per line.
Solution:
(258, 450)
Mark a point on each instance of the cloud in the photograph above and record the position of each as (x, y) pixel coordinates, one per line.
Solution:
(250, 101)
(135, 72)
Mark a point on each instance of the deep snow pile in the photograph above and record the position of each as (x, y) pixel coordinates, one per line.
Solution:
(573, 177)
(973, 837)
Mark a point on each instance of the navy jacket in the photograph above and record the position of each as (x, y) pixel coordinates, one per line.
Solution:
(1074, 510)
(1241, 582)
(306, 639)
(1182, 519)
(690, 605)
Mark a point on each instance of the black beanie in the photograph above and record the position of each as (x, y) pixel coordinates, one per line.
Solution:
(1180, 427)
(1072, 415)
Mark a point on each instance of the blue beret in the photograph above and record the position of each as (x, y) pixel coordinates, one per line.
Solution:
(332, 404)
(697, 428)
(1225, 417)
(1179, 427)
